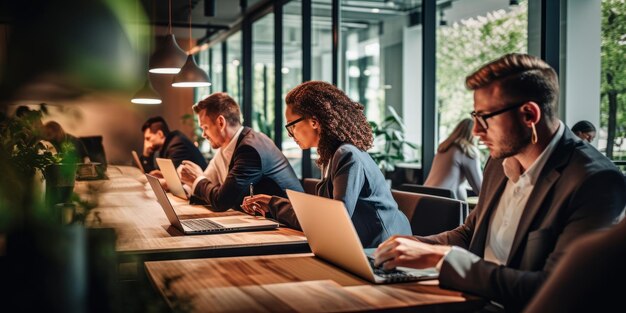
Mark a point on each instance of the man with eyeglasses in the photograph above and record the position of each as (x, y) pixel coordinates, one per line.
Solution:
(244, 160)
(542, 189)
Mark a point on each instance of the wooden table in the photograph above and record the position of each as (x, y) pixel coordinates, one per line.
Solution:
(287, 283)
(127, 204)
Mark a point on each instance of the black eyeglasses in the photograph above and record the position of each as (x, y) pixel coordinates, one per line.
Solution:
(482, 118)
(291, 124)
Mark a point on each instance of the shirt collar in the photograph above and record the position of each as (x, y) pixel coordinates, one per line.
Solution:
(228, 151)
(531, 175)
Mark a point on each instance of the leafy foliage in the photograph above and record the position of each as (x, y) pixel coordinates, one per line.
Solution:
(613, 85)
(463, 47)
(389, 141)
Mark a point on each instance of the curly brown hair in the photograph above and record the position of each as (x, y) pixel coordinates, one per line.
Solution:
(341, 119)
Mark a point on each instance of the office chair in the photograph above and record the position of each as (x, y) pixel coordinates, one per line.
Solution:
(309, 185)
(434, 191)
(429, 215)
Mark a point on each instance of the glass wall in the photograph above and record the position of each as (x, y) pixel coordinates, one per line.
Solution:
(381, 50)
(217, 68)
(471, 33)
(292, 72)
(202, 59)
(263, 75)
(612, 131)
(233, 67)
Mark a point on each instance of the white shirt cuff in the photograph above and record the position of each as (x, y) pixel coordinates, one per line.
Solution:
(195, 183)
(440, 263)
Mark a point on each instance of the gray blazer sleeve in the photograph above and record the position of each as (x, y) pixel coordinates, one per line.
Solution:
(473, 173)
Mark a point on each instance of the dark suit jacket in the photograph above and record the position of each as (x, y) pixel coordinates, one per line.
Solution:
(578, 190)
(355, 179)
(178, 148)
(256, 161)
(589, 278)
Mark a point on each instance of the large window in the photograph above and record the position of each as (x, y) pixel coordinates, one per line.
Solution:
(202, 59)
(233, 67)
(217, 68)
(381, 51)
(471, 33)
(612, 132)
(263, 75)
(292, 72)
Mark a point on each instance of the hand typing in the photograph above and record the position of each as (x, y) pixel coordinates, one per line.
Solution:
(407, 251)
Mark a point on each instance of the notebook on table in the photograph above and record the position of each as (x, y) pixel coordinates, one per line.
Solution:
(332, 237)
(171, 177)
(207, 225)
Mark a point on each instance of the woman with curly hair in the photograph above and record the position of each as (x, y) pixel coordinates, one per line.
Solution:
(320, 115)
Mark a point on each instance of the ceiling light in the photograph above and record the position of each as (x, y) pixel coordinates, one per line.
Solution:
(170, 57)
(190, 74)
(146, 95)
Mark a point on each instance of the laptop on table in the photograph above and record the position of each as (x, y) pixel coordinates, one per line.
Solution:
(171, 177)
(137, 161)
(332, 237)
(207, 225)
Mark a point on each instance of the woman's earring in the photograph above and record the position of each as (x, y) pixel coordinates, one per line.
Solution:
(533, 137)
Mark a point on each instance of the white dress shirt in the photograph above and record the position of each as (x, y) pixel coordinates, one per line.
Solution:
(505, 220)
(217, 171)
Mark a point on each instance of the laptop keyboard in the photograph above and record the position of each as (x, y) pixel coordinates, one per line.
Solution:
(390, 275)
(201, 224)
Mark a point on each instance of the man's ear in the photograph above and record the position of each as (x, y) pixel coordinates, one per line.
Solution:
(160, 133)
(531, 112)
(221, 121)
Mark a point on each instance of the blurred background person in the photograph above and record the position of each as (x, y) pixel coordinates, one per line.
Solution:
(70, 147)
(160, 142)
(585, 130)
(457, 161)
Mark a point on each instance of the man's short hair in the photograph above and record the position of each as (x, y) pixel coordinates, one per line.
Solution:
(155, 124)
(220, 103)
(521, 77)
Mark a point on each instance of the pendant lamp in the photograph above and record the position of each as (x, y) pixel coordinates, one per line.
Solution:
(146, 95)
(170, 57)
(190, 74)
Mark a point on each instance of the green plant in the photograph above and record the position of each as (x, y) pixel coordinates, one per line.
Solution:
(389, 141)
(22, 137)
(264, 126)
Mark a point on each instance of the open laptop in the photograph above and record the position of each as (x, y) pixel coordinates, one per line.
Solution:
(207, 225)
(332, 237)
(171, 177)
(137, 161)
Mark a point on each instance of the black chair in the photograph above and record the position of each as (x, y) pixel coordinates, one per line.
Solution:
(434, 191)
(309, 185)
(429, 215)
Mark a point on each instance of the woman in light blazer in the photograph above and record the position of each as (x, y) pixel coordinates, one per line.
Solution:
(320, 115)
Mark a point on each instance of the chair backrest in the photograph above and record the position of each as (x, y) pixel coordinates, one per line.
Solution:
(435, 191)
(429, 214)
(309, 185)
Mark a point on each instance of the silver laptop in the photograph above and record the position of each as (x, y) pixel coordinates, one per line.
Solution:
(137, 161)
(171, 177)
(332, 237)
(207, 225)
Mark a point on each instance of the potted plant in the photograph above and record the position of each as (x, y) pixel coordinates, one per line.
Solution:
(389, 142)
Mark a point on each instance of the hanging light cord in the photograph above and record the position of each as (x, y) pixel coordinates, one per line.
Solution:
(190, 39)
(170, 12)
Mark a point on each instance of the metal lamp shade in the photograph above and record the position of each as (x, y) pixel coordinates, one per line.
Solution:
(169, 58)
(191, 75)
(146, 95)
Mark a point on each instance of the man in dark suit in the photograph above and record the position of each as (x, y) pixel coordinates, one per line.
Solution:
(160, 142)
(246, 159)
(543, 188)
